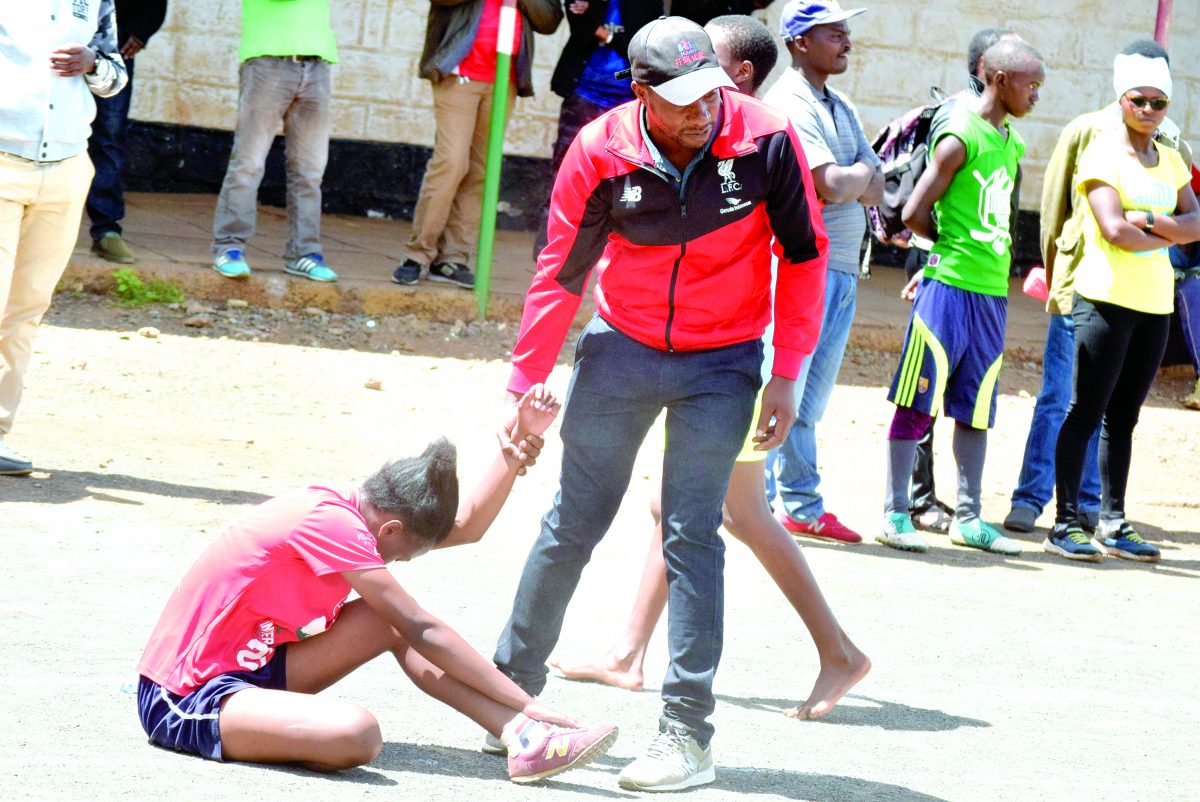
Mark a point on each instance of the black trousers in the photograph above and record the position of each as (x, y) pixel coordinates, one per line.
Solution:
(1117, 354)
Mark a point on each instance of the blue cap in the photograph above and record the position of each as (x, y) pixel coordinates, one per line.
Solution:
(799, 17)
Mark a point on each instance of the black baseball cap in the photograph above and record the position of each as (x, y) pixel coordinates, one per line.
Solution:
(675, 58)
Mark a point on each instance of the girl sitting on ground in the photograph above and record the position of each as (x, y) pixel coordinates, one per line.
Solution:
(260, 623)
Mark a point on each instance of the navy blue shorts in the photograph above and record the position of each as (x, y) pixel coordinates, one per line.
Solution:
(189, 723)
(952, 354)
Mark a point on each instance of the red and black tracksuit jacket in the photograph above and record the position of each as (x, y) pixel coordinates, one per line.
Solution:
(681, 268)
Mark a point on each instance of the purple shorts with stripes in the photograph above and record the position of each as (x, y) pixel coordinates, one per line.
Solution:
(189, 723)
(953, 352)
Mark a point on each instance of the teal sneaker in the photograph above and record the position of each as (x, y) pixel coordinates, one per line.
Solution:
(231, 264)
(1122, 540)
(899, 533)
(981, 535)
(311, 267)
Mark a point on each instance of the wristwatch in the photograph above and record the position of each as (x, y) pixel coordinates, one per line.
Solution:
(1149, 222)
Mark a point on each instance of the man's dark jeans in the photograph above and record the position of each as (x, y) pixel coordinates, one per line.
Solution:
(106, 149)
(617, 390)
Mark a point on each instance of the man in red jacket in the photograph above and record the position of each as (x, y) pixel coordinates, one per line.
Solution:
(674, 198)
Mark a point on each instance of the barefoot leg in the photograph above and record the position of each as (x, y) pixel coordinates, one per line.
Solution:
(621, 666)
(749, 518)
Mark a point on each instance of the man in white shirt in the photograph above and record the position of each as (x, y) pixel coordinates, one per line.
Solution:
(49, 76)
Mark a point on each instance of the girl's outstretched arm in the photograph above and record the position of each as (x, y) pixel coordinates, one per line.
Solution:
(535, 411)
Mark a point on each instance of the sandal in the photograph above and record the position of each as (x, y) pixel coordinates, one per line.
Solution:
(935, 519)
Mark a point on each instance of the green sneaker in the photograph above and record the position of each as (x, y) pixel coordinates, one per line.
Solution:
(112, 246)
(899, 533)
(1193, 400)
(980, 535)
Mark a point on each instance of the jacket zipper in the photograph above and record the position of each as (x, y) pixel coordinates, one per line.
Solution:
(675, 273)
(682, 240)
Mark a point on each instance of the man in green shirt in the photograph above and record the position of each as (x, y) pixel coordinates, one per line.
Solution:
(286, 52)
(955, 342)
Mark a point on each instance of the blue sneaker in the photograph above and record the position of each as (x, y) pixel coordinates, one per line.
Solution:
(311, 267)
(454, 273)
(1071, 542)
(1120, 539)
(231, 264)
(408, 273)
(11, 464)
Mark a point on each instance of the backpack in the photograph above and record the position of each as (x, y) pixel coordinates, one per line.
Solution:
(903, 147)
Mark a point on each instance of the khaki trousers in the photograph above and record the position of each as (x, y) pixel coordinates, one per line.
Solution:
(40, 209)
(446, 218)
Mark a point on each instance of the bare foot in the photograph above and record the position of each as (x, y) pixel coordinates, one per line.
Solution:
(832, 684)
(609, 670)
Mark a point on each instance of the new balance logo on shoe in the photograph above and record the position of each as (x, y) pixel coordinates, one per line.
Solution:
(558, 746)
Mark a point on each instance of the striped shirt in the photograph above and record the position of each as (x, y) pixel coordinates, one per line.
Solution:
(831, 133)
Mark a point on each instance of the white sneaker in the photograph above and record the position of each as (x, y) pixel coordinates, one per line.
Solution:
(899, 533)
(673, 761)
(493, 745)
(11, 464)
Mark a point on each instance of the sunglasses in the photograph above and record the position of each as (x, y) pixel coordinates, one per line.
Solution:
(1155, 103)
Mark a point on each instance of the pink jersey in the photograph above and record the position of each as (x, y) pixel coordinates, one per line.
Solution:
(273, 577)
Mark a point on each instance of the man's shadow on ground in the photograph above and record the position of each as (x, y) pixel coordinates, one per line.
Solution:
(427, 760)
(50, 486)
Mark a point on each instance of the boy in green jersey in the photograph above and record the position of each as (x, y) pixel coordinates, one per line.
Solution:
(955, 341)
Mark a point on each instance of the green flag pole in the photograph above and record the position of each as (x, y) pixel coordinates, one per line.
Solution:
(495, 154)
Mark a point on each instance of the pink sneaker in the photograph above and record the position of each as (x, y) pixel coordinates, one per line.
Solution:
(827, 527)
(560, 750)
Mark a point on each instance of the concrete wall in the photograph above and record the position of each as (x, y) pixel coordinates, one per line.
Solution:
(188, 75)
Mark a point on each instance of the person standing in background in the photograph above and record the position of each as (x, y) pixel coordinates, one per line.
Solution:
(286, 55)
(954, 346)
(585, 76)
(1064, 211)
(49, 76)
(1139, 203)
(137, 21)
(460, 60)
(846, 174)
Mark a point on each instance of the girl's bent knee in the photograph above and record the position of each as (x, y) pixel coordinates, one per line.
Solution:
(355, 740)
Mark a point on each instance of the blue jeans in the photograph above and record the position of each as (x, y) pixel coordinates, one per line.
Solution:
(1187, 307)
(106, 148)
(270, 91)
(792, 468)
(617, 390)
(1036, 483)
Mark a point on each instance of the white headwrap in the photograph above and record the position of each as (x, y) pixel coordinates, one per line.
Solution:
(1134, 70)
